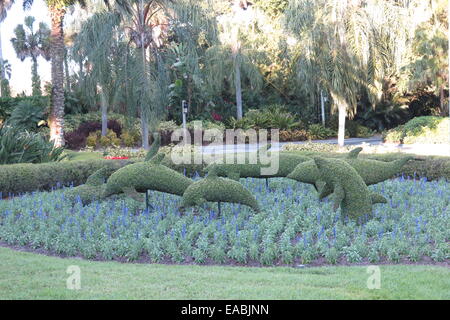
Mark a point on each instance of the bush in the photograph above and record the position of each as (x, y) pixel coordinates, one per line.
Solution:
(25, 147)
(27, 115)
(18, 178)
(272, 117)
(394, 135)
(319, 132)
(78, 139)
(72, 122)
(7, 104)
(75, 140)
(293, 135)
(128, 139)
(91, 140)
(428, 129)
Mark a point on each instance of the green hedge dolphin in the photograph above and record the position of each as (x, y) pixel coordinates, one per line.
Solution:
(148, 175)
(371, 171)
(218, 189)
(287, 163)
(349, 190)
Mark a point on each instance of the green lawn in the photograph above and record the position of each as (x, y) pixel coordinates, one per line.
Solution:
(31, 276)
(75, 155)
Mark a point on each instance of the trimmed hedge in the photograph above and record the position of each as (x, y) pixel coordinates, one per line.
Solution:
(18, 178)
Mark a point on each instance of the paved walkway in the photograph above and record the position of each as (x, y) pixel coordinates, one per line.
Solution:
(374, 144)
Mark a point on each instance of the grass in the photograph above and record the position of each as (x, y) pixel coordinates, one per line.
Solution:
(80, 155)
(26, 275)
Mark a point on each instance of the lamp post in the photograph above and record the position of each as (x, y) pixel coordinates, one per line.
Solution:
(184, 110)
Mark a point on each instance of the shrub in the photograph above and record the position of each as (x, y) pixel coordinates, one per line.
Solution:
(428, 129)
(104, 141)
(75, 140)
(272, 117)
(394, 135)
(91, 140)
(24, 147)
(128, 140)
(293, 135)
(319, 132)
(356, 130)
(27, 115)
(18, 178)
(167, 125)
(316, 147)
(73, 121)
(7, 104)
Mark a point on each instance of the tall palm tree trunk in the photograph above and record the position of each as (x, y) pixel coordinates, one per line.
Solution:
(2, 72)
(35, 80)
(57, 57)
(341, 130)
(237, 81)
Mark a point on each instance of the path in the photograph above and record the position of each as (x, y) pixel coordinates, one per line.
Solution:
(375, 143)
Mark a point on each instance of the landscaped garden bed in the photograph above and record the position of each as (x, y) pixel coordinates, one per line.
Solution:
(293, 228)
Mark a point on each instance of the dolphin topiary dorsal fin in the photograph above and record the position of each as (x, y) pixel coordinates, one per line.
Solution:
(212, 171)
(377, 198)
(354, 153)
(154, 148)
(157, 159)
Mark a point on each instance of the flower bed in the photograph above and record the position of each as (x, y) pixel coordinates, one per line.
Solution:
(293, 227)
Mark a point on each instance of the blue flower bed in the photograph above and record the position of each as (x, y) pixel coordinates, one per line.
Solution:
(293, 227)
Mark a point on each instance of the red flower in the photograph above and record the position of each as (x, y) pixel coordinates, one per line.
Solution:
(216, 116)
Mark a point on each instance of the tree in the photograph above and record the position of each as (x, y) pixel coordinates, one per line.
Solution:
(5, 69)
(99, 44)
(232, 59)
(429, 55)
(348, 48)
(145, 22)
(5, 5)
(29, 43)
(57, 10)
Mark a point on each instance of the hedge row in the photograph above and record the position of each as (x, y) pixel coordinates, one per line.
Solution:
(19, 178)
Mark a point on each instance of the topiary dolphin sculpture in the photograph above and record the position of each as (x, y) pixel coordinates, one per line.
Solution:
(217, 189)
(349, 190)
(148, 175)
(287, 163)
(94, 187)
(371, 171)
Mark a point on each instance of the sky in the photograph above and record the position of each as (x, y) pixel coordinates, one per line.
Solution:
(21, 71)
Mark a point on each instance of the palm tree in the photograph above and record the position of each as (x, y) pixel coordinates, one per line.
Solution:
(57, 10)
(98, 41)
(335, 48)
(5, 5)
(145, 22)
(233, 59)
(29, 43)
(5, 69)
